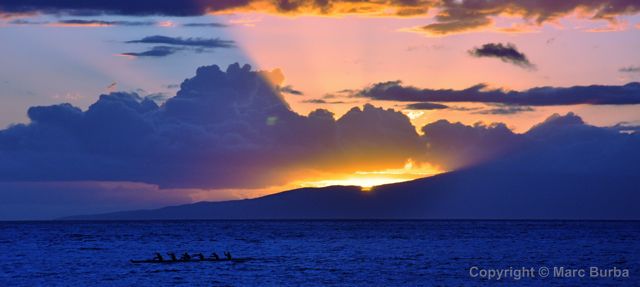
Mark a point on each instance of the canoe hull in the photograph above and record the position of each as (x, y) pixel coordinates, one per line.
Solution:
(235, 260)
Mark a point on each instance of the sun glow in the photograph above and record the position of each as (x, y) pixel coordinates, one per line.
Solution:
(367, 180)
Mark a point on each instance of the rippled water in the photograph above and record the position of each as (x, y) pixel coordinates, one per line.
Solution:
(312, 253)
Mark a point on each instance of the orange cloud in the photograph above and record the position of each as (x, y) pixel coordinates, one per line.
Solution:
(451, 16)
(519, 28)
(399, 8)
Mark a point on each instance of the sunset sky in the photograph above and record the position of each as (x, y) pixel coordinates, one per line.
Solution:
(460, 61)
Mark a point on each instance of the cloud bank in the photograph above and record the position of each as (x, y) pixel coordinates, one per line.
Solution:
(628, 94)
(452, 16)
(562, 144)
(232, 129)
(223, 129)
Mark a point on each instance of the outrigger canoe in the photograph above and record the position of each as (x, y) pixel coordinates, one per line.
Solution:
(234, 260)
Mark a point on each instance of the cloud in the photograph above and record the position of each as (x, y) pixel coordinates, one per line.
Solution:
(325, 102)
(197, 45)
(505, 110)
(101, 23)
(211, 24)
(48, 200)
(157, 51)
(449, 25)
(83, 23)
(314, 101)
(452, 16)
(158, 97)
(565, 144)
(121, 7)
(628, 94)
(426, 106)
(27, 22)
(630, 69)
(230, 129)
(562, 144)
(454, 145)
(507, 53)
(290, 90)
(206, 43)
(626, 127)
(223, 129)
(463, 16)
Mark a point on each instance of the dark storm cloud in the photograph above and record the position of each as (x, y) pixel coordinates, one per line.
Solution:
(223, 129)
(206, 43)
(452, 16)
(630, 69)
(426, 106)
(628, 94)
(507, 53)
(157, 51)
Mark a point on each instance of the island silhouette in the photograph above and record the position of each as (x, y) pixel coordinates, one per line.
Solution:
(491, 191)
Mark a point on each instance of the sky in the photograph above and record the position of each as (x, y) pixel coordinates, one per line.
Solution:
(115, 105)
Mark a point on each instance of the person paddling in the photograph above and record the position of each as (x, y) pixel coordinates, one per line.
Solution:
(185, 257)
(199, 256)
(215, 256)
(158, 257)
(173, 256)
(228, 255)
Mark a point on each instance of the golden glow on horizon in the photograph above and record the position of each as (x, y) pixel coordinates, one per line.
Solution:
(366, 180)
(369, 179)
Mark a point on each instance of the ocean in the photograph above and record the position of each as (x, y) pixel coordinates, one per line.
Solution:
(322, 253)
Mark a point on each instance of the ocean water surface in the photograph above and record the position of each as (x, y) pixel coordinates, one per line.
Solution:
(319, 253)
